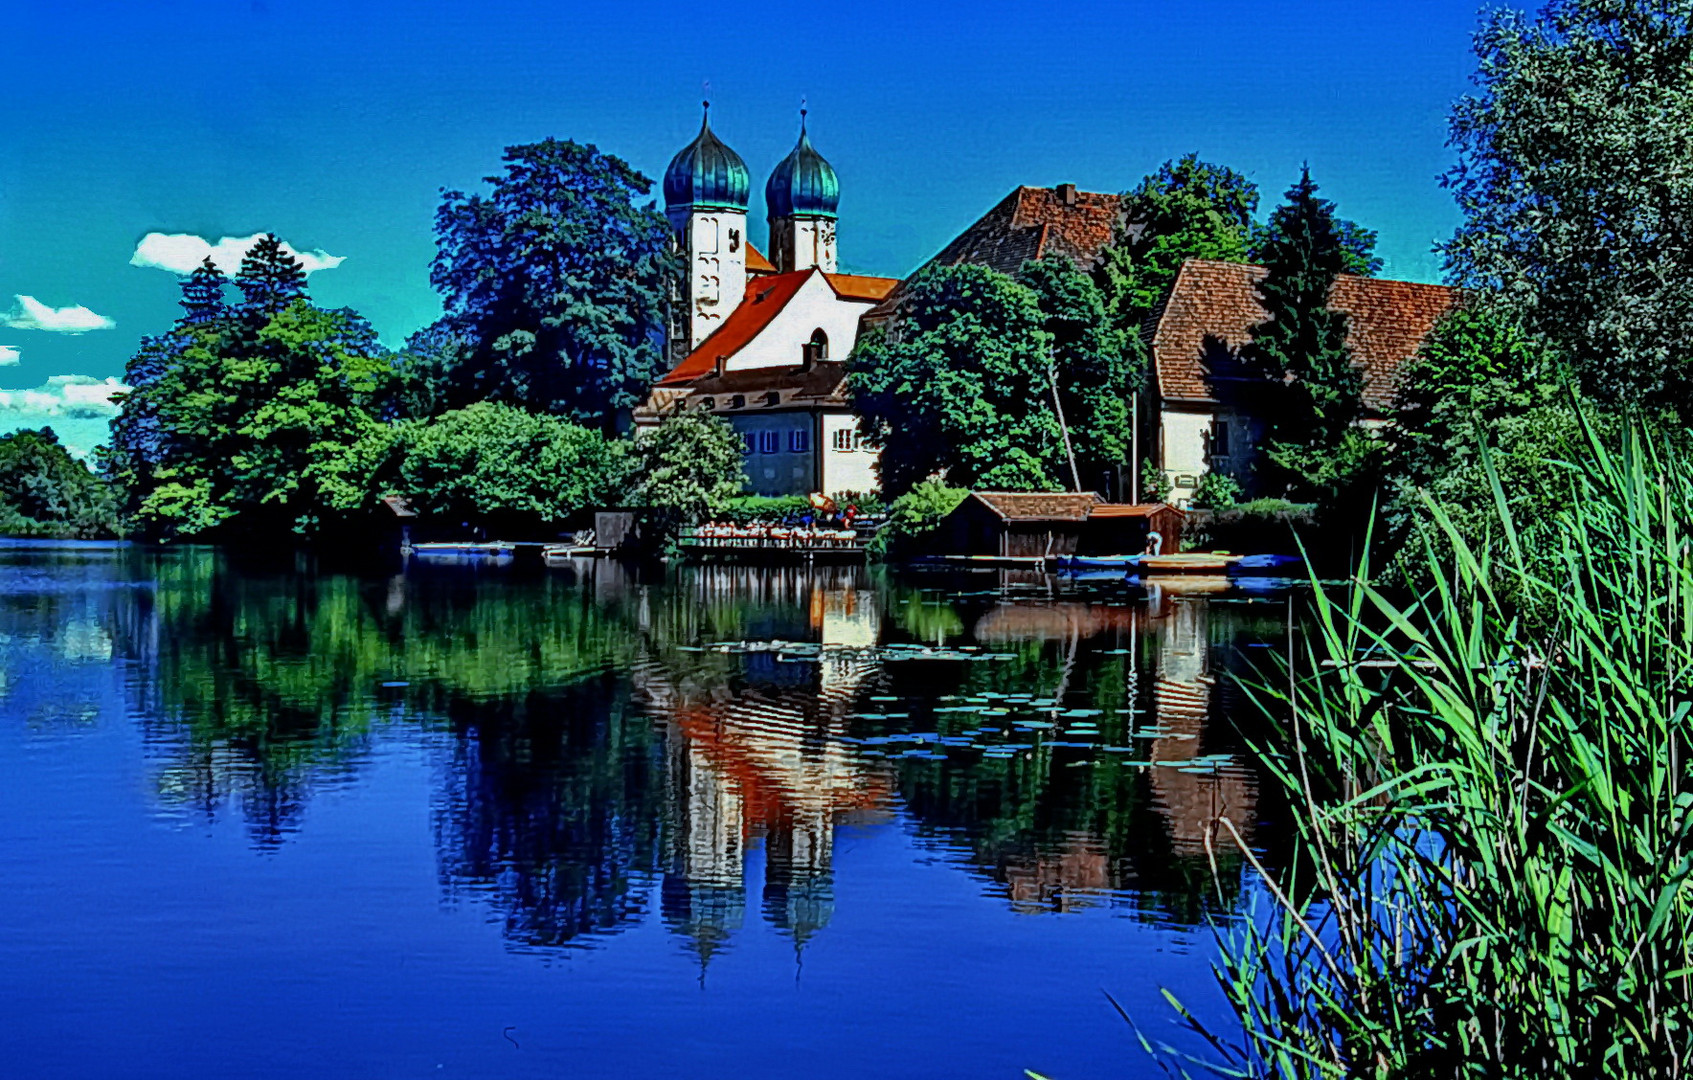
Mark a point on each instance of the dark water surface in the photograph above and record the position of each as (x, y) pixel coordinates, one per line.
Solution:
(265, 822)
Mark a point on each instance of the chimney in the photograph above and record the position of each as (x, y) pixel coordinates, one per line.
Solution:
(719, 364)
(1067, 194)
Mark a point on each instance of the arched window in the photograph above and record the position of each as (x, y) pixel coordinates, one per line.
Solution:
(819, 345)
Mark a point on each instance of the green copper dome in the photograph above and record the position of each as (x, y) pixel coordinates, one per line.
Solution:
(707, 175)
(803, 185)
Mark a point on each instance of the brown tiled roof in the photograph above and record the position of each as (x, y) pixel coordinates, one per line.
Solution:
(757, 263)
(1213, 306)
(765, 299)
(823, 384)
(1131, 510)
(1029, 223)
(1038, 505)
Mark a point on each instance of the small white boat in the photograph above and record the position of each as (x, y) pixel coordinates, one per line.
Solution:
(494, 549)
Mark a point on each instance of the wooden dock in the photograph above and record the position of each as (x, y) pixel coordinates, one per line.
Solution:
(775, 543)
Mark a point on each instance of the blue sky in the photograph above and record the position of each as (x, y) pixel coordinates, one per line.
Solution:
(335, 124)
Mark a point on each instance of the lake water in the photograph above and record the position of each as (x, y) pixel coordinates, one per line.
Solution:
(259, 821)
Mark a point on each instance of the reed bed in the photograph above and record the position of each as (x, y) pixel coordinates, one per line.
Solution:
(1490, 787)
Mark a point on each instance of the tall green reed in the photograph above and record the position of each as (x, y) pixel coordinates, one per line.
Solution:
(1490, 788)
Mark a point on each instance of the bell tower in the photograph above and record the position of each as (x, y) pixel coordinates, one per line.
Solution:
(706, 192)
(802, 196)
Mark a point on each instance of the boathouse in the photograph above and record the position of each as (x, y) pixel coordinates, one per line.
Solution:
(1034, 524)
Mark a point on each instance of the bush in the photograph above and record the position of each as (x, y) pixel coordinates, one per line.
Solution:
(913, 516)
(1216, 491)
(690, 467)
(1259, 527)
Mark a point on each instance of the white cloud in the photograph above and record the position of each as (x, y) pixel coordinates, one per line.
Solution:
(180, 253)
(9, 355)
(31, 314)
(77, 407)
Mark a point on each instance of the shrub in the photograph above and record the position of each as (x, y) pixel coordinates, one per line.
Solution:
(746, 508)
(913, 516)
(1216, 491)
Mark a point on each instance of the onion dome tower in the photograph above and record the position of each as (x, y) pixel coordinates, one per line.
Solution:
(801, 198)
(706, 190)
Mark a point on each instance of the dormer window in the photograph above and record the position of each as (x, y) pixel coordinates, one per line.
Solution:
(708, 404)
(739, 401)
(772, 397)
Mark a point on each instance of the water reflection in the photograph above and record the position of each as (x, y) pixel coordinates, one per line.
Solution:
(606, 745)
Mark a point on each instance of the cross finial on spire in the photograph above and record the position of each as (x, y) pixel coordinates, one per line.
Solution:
(705, 91)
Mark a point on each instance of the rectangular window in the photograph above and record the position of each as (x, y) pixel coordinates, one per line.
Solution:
(799, 442)
(1219, 438)
(752, 442)
(769, 442)
(843, 439)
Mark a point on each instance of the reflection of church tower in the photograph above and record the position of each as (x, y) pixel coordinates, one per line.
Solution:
(704, 897)
(706, 191)
(799, 892)
(801, 198)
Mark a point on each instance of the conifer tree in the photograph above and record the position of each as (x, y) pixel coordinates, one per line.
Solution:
(270, 279)
(202, 295)
(1315, 390)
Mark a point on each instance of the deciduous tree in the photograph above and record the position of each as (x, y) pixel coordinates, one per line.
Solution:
(555, 285)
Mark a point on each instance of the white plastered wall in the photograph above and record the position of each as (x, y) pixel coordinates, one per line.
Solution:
(816, 306)
(1185, 436)
(846, 470)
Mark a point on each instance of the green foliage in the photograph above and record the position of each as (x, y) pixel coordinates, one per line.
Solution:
(1188, 209)
(556, 286)
(1357, 246)
(960, 384)
(1260, 526)
(689, 467)
(1155, 485)
(1492, 825)
(502, 467)
(772, 508)
(263, 423)
(1473, 371)
(913, 516)
(1312, 392)
(1216, 491)
(1574, 177)
(45, 492)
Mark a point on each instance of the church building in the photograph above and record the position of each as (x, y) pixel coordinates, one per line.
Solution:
(766, 337)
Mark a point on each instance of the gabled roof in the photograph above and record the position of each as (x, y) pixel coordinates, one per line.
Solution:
(1213, 306)
(1032, 222)
(765, 299)
(1029, 223)
(1038, 505)
(756, 262)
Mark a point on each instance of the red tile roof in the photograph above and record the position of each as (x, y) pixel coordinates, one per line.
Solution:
(757, 263)
(765, 299)
(1213, 307)
(861, 287)
(1038, 505)
(1029, 223)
